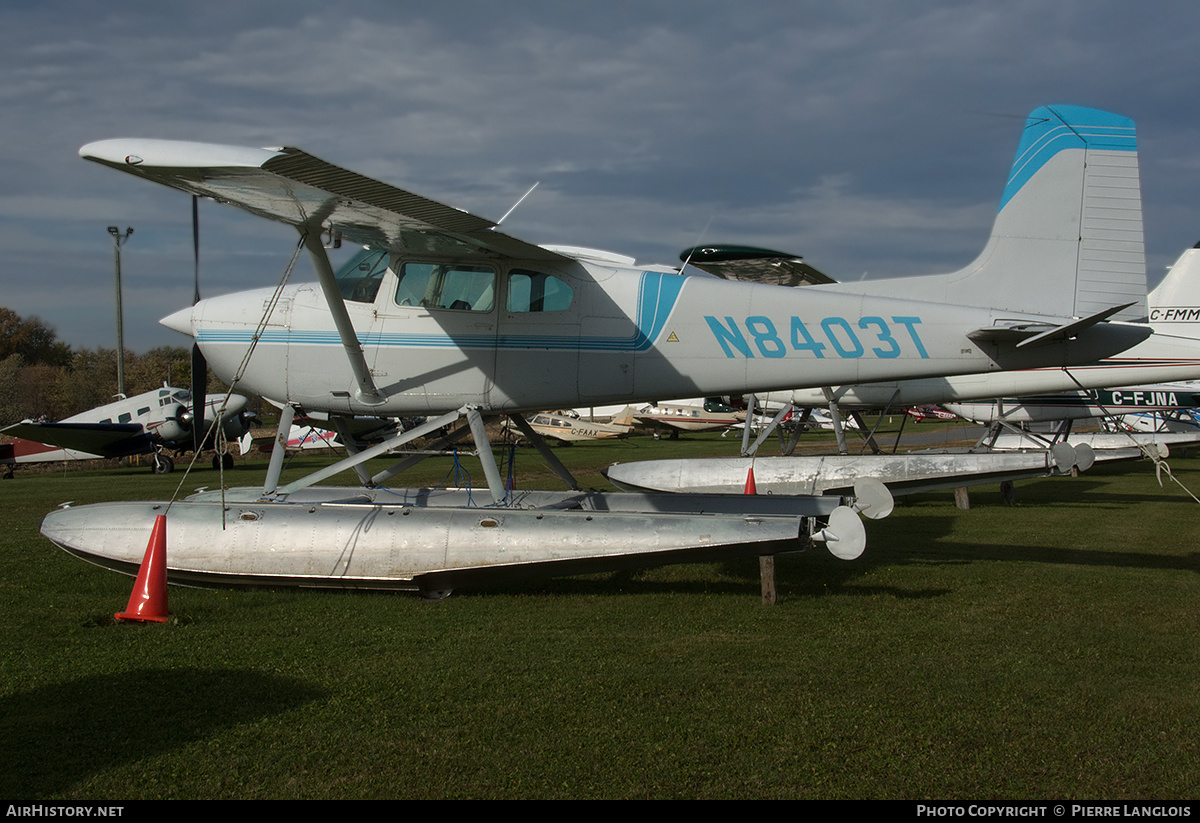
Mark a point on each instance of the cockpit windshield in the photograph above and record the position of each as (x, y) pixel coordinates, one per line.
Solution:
(358, 281)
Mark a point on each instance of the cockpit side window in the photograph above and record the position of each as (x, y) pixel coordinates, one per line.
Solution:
(358, 280)
(530, 291)
(447, 286)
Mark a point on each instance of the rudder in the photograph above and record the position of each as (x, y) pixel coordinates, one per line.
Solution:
(1067, 240)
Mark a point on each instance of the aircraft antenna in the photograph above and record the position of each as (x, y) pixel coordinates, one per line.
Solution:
(519, 202)
(694, 248)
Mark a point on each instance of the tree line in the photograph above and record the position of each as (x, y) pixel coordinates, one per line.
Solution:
(43, 377)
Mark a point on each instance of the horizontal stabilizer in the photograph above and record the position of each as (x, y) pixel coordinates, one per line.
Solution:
(1069, 330)
(1022, 335)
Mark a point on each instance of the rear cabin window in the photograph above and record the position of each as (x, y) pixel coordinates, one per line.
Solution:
(530, 291)
(447, 286)
(358, 280)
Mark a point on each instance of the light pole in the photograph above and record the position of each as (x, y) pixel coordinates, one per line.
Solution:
(118, 239)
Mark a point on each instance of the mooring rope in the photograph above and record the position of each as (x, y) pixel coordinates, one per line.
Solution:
(1161, 466)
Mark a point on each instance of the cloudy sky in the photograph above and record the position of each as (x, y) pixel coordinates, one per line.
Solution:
(872, 138)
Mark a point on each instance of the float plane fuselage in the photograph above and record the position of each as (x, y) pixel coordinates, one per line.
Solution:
(443, 312)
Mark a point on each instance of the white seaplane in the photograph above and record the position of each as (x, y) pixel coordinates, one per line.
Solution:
(442, 315)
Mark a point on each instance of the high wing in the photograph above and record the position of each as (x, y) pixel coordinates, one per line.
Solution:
(754, 265)
(104, 439)
(291, 186)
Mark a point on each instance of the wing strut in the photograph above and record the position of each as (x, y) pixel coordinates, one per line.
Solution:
(367, 392)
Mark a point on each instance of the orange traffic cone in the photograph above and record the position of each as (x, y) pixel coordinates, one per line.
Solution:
(148, 602)
(751, 486)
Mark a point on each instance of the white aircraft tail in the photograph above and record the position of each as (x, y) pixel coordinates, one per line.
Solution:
(624, 417)
(1067, 240)
(1175, 303)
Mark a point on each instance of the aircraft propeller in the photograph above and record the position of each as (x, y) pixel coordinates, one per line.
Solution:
(199, 364)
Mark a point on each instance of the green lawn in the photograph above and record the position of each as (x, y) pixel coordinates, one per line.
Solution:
(1047, 650)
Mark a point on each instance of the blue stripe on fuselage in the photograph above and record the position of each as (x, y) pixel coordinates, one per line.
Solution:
(657, 295)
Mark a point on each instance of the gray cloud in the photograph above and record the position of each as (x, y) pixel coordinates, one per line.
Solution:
(869, 137)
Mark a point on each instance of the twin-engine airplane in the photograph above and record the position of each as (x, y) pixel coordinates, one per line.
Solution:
(696, 414)
(146, 423)
(443, 315)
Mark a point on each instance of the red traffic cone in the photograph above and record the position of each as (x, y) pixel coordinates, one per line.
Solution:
(148, 602)
(751, 486)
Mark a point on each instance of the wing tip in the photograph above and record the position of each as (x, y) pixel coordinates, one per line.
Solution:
(137, 151)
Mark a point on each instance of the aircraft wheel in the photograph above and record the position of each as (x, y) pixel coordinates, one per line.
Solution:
(436, 594)
(227, 461)
(162, 464)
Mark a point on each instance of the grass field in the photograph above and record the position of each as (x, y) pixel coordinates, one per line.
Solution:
(1046, 650)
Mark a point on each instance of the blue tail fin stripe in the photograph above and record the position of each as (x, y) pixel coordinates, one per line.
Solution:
(1052, 129)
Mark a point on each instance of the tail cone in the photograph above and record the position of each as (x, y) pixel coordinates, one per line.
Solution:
(148, 602)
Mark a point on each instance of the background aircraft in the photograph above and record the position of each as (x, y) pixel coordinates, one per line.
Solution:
(146, 423)
(692, 415)
(1082, 405)
(570, 427)
(929, 412)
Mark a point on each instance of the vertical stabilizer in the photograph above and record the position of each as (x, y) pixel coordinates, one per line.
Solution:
(1067, 240)
(1175, 303)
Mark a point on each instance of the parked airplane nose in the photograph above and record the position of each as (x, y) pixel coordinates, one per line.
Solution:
(180, 321)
